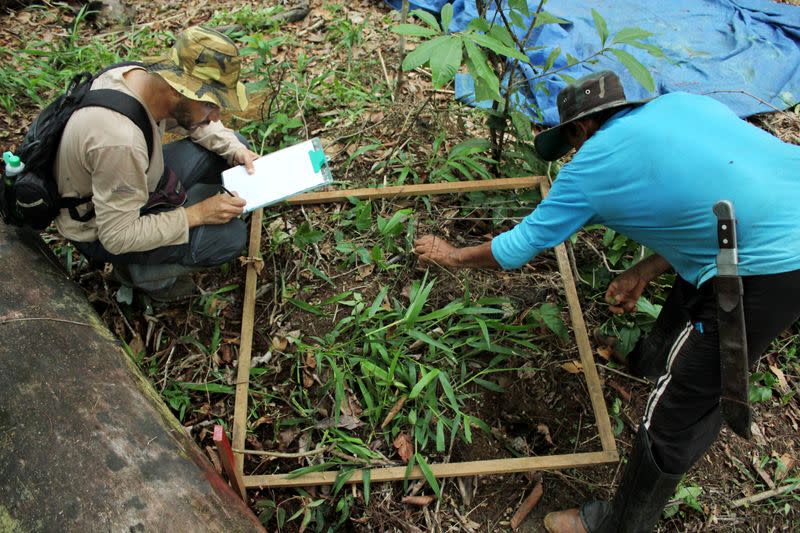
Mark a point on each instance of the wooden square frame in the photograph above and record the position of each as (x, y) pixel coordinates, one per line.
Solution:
(608, 452)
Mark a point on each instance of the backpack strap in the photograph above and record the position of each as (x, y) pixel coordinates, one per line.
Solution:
(121, 103)
(125, 104)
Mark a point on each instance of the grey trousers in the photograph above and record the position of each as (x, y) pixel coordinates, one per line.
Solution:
(210, 245)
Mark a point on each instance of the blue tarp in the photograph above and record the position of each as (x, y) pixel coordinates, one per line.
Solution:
(750, 46)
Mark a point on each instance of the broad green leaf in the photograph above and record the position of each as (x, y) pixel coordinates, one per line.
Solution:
(440, 436)
(366, 477)
(208, 387)
(378, 301)
(447, 17)
(551, 316)
(479, 24)
(428, 340)
(446, 311)
(502, 34)
(308, 469)
(445, 61)
(630, 35)
(321, 275)
(428, 18)
(371, 369)
(636, 69)
(490, 385)
(428, 473)
(341, 478)
(422, 53)
(497, 47)
(602, 27)
(306, 307)
(643, 305)
(651, 49)
(448, 390)
(480, 69)
(422, 383)
(552, 58)
(414, 30)
(546, 18)
(420, 298)
(470, 147)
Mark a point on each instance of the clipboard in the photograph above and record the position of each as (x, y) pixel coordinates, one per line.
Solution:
(280, 175)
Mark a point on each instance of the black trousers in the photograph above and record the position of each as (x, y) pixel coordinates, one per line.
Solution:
(209, 245)
(683, 415)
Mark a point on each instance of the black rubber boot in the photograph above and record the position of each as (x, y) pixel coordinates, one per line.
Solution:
(640, 497)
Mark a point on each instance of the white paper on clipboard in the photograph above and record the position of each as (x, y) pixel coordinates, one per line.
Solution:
(280, 175)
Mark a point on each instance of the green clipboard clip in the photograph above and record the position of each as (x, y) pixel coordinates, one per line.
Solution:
(318, 159)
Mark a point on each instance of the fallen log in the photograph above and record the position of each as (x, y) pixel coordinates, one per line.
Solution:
(86, 444)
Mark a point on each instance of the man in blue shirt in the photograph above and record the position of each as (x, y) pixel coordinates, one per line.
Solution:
(653, 170)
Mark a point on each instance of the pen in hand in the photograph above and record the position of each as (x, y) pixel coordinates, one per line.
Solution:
(226, 190)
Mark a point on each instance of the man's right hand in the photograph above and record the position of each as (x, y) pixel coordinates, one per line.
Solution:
(627, 288)
(217, 209)
(625, 291)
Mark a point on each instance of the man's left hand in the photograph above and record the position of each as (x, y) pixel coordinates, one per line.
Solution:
(245, 157)
(436, 251)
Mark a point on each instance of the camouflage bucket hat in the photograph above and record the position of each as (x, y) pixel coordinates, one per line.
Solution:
(204, 65)
(590, 94)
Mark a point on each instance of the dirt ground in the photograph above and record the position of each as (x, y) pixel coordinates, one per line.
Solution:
(542, 412)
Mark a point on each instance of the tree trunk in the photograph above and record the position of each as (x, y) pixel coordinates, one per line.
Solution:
(86, 444)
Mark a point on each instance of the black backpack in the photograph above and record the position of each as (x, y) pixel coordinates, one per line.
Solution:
(31, 197)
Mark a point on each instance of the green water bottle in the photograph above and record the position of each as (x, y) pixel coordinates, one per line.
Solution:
(14, 166)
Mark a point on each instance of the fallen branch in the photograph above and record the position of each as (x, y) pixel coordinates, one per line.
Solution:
(767, 494)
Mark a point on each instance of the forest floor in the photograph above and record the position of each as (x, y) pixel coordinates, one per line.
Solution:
(338, 278)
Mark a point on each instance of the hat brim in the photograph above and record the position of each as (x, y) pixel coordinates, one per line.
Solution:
(551, 143)
(231, 99)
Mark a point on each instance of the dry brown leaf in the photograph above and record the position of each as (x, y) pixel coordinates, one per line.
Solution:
(279, 343)
(605, 352)
(420, 501)
(404, 446)
(545, 432)
(788, 463)
(365, 271)
(345, 421)
(136, 345)
(782, 383)
(573, 367)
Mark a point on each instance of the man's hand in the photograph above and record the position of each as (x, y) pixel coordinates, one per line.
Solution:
(625, 290)
(245, 157)
(437, 251)
(217, 209)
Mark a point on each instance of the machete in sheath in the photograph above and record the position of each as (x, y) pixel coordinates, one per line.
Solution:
(734, 369)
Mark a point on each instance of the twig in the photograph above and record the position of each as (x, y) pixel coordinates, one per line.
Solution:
(285, 455)
(401, 52)
(386, 74)
(765, 495)
(792, 115)
(30, 319)
(634, 378)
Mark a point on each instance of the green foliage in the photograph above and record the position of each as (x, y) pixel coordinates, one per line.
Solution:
(33, 75)
(685, 496)
(492, 50)
(435, 358)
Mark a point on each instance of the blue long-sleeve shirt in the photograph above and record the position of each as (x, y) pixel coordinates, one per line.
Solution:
(653, 173)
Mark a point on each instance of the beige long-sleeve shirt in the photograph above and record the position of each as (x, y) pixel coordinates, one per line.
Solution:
(104, 154)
